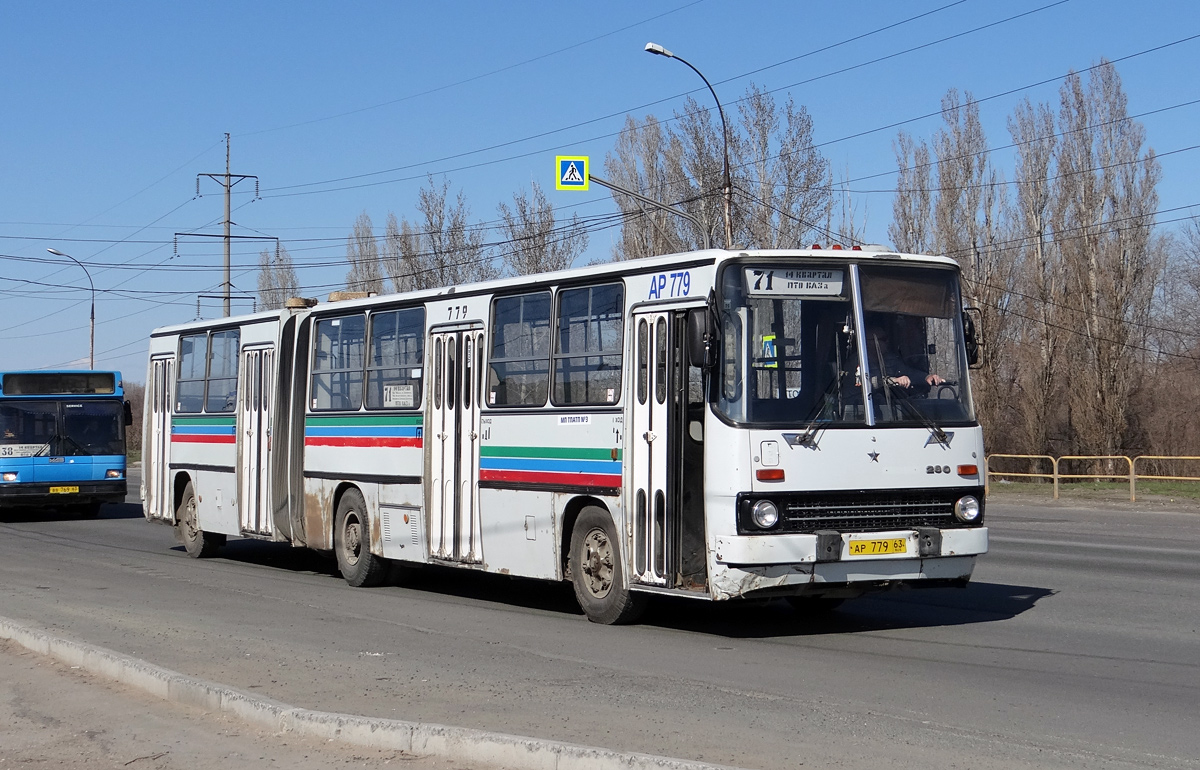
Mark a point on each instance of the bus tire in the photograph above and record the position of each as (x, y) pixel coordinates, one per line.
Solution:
(198, 543)
(598, 573)
(352, 543)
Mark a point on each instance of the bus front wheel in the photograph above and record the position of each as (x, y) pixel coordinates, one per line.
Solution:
(597, 572)
(352, 543)
(198, 543)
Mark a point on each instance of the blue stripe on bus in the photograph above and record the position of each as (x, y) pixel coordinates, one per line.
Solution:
(203, 430)
(558, 466)
(365, 430)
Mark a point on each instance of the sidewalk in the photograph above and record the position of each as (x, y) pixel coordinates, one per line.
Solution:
(53, 716)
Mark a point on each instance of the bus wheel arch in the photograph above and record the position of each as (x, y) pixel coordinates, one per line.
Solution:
(597, 569)
(569, 516)
(352, 533)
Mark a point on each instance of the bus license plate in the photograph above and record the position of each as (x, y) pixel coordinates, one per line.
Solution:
(878, 547)
(63, 490)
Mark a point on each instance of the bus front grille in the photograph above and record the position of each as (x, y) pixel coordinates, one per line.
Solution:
(869, 511)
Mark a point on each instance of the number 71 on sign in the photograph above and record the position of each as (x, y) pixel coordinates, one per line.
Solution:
(571, 172)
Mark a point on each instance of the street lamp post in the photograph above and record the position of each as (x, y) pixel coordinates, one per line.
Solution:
(92, 326)
(727, 185)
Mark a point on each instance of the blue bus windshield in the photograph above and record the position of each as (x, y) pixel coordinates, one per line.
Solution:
(61, 428)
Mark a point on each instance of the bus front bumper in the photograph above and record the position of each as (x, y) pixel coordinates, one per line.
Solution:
(15, 494)
(834, 564)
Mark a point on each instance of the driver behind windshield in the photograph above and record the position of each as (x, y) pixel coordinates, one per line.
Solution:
(886, 353)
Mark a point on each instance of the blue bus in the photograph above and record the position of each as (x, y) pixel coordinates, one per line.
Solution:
(62, 440)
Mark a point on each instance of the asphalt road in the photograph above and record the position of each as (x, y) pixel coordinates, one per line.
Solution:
(1075, 646)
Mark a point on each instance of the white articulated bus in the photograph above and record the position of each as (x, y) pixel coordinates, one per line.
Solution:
(715, 424)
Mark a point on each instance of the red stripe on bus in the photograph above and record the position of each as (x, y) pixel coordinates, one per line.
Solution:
(203, 438)
(365, 441)
(543, 477)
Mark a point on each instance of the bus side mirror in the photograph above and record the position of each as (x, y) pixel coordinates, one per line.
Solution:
(701, 336)
(971, 336)
(128, 414)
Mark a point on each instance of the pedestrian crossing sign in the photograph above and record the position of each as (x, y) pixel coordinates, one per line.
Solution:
(572, 172)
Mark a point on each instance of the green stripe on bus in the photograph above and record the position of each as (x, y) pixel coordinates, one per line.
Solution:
(202, 420)
(364, 420)
(549, 452)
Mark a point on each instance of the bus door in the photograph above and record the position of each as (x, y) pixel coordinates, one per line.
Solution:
(255, 395)
(453, 440)
(654, 462)
(157, 465)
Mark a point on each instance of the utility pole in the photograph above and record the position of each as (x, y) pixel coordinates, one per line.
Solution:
(227, 180)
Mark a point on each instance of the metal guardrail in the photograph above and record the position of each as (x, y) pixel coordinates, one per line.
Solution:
(1056, 474)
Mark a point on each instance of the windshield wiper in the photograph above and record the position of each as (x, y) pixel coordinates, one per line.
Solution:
(939, 435)
(808, 436)
(45, 450)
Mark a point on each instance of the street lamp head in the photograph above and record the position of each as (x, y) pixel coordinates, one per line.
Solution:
(657, 49)
(57, 253)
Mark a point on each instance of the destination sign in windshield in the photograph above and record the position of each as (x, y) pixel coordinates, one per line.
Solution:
(793, 282)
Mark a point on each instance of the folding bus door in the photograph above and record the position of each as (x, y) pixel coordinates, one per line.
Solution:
(650, 441)
(156, 466)
(453, 440)
(256, 394)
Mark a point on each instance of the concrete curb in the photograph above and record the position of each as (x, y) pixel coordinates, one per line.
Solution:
(458, 744)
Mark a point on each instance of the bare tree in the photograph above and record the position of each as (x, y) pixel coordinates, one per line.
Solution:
(441, 248)
(276, 278)
(781, 181)
(362, 252)
(649, 160)
(534, 243)
(1041, 336)
(1165, 414)
(912, 207)
(1105, 199)
(401, 255)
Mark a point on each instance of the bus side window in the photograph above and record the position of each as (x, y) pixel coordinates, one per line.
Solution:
(221, 387)
(338, 359)
(193, 357)
(588, 345)
(395, 359)
(519, 354)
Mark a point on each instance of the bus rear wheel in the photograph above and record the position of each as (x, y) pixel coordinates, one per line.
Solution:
(198, 543)
(352, 543)
(597, 572)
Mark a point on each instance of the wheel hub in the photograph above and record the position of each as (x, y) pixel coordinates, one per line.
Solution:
(597, 563)
(353, 534)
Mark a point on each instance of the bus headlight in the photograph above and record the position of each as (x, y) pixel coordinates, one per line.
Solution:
(112, 473)
(10, 476)
(967, 509)
(764, 514)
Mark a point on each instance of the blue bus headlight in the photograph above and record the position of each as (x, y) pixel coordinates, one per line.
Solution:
(764, 514)
(112, 473)
(967, 509)
(10, 476)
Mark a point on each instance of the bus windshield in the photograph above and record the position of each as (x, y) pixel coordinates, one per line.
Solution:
(790, 347)
(32, 428)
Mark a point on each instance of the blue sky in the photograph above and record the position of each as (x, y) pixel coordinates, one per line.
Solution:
(110, 111)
